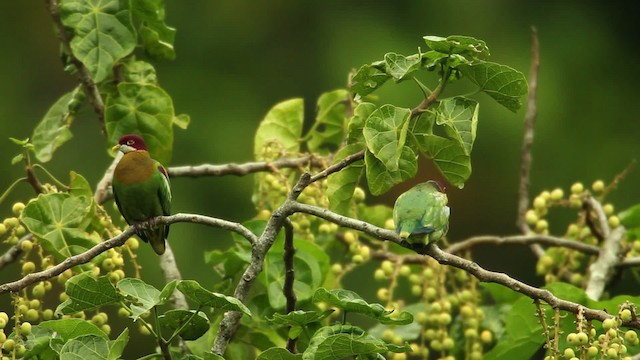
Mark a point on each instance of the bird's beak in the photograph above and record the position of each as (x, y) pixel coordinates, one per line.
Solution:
(116, 148)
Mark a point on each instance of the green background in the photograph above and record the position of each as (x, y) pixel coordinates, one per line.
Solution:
(235, 59)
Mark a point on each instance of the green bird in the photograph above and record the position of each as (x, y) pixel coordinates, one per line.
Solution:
(421, 214)
(141, 190)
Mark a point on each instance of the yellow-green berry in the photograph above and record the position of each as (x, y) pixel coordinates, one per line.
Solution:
(625, 315)
(26, 245)
(597, 185)
(3, 229)
(557, 194)
(17, 208)
(337, 268)
(577, 188)
(614, 221)
(608, 209)
(405, 270)
(25, 328)
(531, 217)
(486, 336)
(539, 202)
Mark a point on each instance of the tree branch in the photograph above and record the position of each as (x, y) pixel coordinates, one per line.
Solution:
(527, 142)
(242, 169)
(119, 240)
(522, 240)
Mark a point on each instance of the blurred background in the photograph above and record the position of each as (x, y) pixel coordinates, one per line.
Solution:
(235, 59)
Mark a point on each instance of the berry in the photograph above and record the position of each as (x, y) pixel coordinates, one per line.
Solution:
(38, 291)
(358, 194)
(9, 345)
(379, 275)
(132, 243)
(25, 328)
(17, 208)
(337, 268)
(569, 353)
(609, 323)
(349, 237)
(614, 221)
(26, 245)
(28, 267)
(387, 267)
(47, 314)
(32, 315)
(389, 224)
(625, 315)
(357, 259)
(3, 229)
(577, 188)
(405, 270)
(608, 209)
(539, 202)
(598, 185)
(416, 290)
(557, 194)
(612, 353)
(531, 217)
(583, 338)
(383, 294)
(592, 351)
(486, 336)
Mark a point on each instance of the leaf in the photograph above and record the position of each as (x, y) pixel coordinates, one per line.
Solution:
(146, 110)
(72, 328)
(157, 37)
(86, 293)
(456, 44)
(360, 114)
(16, 159)
(53, 130)
(167, 291)
(341, 184)
(449, 156)
(38, 343)
(102, 31)
(399, 66)
(380, 178)
(408, 332)
(140, 72)
(142, 295)
(385, 133)
(59, 220)
(345, 341)
(182, 121)
(630, 217)
(191, 326)
(500, 293)
(277, 353)
(503, 83)
(79, 186)
(460, 119)
(280, 129)
(329, 128)
(85, 347)
(352, 302)
(204, 297)
(522, 334)
(299, 317)
(116, 347)
(368, 79)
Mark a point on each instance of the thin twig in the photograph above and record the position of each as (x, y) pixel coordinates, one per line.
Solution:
(89, 86)
(522, 240)
(527, 142)
(241, 169)
(289, 278)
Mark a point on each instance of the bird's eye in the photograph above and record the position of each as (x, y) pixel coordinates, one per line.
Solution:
(130, 142)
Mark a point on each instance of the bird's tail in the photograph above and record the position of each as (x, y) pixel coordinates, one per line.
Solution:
(156, 237)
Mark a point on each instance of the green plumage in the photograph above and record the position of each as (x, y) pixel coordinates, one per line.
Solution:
(421, 214)
(141, 191)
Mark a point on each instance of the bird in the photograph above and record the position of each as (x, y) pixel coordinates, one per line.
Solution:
(421, 214)
(141, 190)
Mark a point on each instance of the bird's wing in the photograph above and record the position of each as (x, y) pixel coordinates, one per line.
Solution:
(164, 191)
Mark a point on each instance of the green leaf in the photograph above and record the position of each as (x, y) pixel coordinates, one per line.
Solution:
(16, 159)
(449, 156)
(299, 317)
(280, 129)
(204, 297)
(459, 116)
(341, 184)
(146, 110)
(385, 133)
(277, 353)
(408, 332)
(329, 128)
(23, 142)
(456, 44)
(192, 326)
(79, 186)
(38, 343)
(86, 293)
(139, 72)
(116, 347)
(500, 293)
(182, 121)
(360, 114)
(72, 328)
(504, 84)
(523, 331)
(142, 295)
(630, 217)
(380, 178)
(85, 347)
(157, 37)
(102, 31)
(53, 130)
(167, 291)
(345, 341)
(59, 220)
(399, 66)
(368, 79)
(352, 302)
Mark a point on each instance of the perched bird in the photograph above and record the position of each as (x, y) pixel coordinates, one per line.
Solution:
(141, 189)
(421, 214)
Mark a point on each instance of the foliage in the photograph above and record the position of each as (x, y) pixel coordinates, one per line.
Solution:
(297, 308)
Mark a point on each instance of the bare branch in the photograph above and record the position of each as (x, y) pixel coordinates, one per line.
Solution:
(13, 253)
(241, 169)
(171, 273)
(102, 193)
(119, 240)
(289, 278)
(90, 88)
(602, 270)
(522, 240)
(527, 142)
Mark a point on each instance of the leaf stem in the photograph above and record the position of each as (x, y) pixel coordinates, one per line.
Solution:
(178, 330)
(58, 182)
(10, 188)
